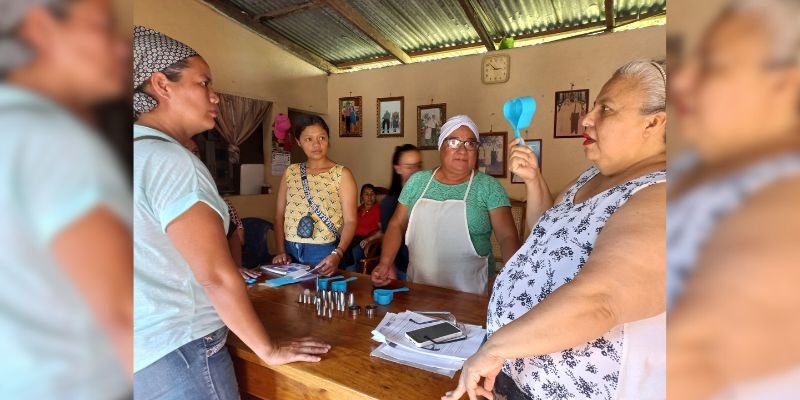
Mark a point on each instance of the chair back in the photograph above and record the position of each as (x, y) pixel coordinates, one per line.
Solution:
(255, 251)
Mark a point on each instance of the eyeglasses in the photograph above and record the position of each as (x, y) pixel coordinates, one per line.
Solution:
(455, 143)
(449, 317)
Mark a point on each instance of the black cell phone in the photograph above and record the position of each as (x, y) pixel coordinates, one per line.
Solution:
(439, 332)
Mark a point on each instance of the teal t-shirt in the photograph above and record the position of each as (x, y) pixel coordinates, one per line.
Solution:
(170, 308)
(485, 195)
(54, 171)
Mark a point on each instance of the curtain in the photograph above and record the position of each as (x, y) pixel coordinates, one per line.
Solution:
(238, 117)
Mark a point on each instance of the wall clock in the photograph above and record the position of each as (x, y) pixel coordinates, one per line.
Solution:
(496, 68)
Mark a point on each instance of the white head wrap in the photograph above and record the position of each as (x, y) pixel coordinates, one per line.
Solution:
(454, 123)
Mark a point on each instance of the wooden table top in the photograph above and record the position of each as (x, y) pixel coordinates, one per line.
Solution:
(348, 370)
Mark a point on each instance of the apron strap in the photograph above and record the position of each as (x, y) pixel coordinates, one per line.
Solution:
(469, 186)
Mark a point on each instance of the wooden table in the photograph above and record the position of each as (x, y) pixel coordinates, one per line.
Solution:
(347, 371)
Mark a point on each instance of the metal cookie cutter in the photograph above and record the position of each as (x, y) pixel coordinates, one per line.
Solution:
(371, 308)
(354, 310)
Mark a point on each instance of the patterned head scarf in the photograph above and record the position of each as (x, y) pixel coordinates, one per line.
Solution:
(454, 123)
(13, 52)
(153, 52)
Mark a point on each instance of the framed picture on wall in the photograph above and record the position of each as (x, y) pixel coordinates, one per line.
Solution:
(492, 154)
(429, 123)
(350, 113)
(536, 146)
(571, 106)
(390, 117)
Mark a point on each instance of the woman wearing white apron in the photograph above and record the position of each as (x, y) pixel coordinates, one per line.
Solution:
(448, 216)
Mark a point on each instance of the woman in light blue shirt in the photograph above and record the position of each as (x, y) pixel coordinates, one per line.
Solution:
(65, 207)
(186, 285)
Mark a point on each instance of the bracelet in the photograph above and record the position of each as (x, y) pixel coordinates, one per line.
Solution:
(337, 252)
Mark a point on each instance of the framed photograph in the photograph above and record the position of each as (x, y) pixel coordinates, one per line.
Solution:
(390, 117)
(571, 106)
(492, 154)
(350, 113)
(429, 123)
(536, 146)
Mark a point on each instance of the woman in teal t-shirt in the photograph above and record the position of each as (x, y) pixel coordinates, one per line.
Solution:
(187, 288)
(447, 216)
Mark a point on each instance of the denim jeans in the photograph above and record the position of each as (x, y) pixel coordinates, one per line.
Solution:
(200, 369)
(353, 255)
(308, 253)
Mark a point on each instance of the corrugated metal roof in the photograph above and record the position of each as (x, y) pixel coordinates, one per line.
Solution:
(320, 30)
(624, 8)
(431, 25)
(528, 17)
(256, 7)
(327, 34)
(419, 25)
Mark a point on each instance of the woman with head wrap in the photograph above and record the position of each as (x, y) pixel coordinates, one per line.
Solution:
(447, 216)
(186, 285)
(578, 311)
(66, 292)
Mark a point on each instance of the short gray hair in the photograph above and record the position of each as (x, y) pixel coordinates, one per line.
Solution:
(780, 17)
(651, 77)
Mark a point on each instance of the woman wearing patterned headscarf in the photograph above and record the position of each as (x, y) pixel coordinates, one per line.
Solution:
(447, 216)
(578, 312)
(66, 293)
(186, 285)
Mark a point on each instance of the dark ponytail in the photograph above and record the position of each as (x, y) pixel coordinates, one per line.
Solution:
(397, 181)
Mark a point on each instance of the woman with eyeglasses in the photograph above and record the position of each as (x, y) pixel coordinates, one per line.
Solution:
(447, 217)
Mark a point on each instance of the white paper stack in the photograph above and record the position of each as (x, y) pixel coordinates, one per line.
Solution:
(444, 359)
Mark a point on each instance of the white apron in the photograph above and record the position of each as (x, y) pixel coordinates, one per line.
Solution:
(439, 248)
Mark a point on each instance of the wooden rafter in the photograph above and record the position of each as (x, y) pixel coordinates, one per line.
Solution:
(598, 25)
(289, 10)
(274, 36)
(477, 24)
(343, 8)
(609, 15)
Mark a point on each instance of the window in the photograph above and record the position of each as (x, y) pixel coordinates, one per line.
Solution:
(214, 153)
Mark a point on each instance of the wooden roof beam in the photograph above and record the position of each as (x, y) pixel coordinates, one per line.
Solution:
(343, 8)
(288, 10)
(477, 24)
(240, 16)
(609, 15)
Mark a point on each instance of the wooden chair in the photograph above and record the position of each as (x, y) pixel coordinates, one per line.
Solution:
(255, 250)
(372, 256)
